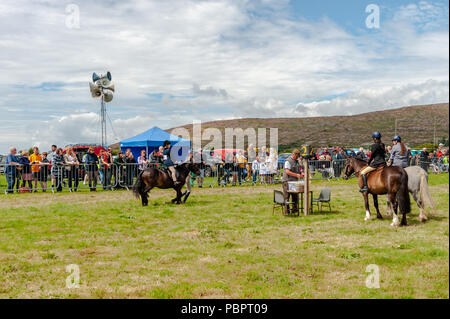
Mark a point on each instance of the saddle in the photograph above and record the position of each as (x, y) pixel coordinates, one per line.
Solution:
(166, 170)
(378, 169)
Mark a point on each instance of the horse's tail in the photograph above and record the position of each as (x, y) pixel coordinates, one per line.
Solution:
(404, 202)
(425, 196)
(138, 187)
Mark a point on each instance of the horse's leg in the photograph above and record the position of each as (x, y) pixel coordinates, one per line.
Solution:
(375, 203)
(394, 205)
(186, 195)
(179, 194)
(389, 207)
(403, 220)
(366, 204)
(144, 195)
(422, 216)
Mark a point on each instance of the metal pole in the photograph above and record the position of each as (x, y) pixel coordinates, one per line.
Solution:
(395, 127)
(306, 188)
(434, 133)
(103, 120)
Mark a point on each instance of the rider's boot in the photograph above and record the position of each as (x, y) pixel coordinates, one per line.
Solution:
(365, 188)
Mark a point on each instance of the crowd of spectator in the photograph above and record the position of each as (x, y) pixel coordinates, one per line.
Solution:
(253, 165)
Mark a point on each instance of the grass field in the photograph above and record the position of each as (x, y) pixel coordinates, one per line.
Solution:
(223, 243)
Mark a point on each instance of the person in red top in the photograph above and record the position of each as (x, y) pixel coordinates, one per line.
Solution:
(439, 152)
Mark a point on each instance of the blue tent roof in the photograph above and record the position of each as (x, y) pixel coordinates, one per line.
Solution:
(152, 138)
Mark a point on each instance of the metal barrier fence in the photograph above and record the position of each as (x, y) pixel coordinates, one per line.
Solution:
(44, 177)
(27, 178)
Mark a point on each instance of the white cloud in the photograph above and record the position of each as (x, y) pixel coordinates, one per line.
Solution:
(207, 60)
(378, 99)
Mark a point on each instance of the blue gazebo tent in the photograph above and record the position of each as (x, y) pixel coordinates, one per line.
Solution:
(151, 140)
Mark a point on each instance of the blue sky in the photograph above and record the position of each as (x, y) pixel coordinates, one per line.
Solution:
(177, 61)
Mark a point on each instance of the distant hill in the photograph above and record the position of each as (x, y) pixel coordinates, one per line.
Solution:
(414, 123)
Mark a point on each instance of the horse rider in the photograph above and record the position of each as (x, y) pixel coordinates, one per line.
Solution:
(377, 159)
(400, 153)
(168, 161)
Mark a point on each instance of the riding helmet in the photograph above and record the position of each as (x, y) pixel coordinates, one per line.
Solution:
(397, 138)
(376, 135)
(166, 142)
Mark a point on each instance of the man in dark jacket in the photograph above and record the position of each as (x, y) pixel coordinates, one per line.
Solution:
(377, 158)
(92, 168)
(424, 160)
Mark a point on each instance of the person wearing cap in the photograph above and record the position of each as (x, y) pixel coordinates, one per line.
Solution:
(399, 153)
(376, 159)
(292, 172)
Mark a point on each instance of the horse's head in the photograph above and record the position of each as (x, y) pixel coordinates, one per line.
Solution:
(194, 167)
(348, 168)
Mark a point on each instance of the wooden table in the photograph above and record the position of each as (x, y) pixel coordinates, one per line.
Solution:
(301, 200)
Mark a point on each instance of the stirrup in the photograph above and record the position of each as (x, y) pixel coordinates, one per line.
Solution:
(364, 190)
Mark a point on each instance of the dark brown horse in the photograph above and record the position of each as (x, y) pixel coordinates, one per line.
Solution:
(390, 180)
(155, 177)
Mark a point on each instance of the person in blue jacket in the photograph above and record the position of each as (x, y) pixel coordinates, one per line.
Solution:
(168, 161)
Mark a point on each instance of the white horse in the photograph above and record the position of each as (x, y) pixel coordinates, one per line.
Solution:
(418, 183)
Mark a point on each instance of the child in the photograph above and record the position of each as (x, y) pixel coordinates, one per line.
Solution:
(26, 169)
(262, 171)
(255, 169)
(44, 171)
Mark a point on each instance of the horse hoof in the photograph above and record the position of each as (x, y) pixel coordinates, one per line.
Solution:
(423, 219)
(395, 224)
(380, 217)
(366, 219)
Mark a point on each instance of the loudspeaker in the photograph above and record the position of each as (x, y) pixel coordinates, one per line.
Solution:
(107, 96)
(95, 77)
(95, 90)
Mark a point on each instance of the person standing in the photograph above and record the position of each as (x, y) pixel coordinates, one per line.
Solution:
(424, 161)
(73, 164)
(92, 168)
(292, 172)
(11, 169)
(255, 170)
(200, 159)
(25, 167)
(399, 153)
(130, 163)
(35, 162)
(58, 169)
(43, 173)
(52, 156)
(142, 161)
(119, 172)
(106, 161)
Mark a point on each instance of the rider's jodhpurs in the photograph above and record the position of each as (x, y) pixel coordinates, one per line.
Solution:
(172, 171)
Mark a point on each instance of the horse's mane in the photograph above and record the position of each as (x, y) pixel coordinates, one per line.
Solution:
(360, 159)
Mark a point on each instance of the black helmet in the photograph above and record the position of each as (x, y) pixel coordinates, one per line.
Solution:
(166, 142)
(397, 138)
(376, 135)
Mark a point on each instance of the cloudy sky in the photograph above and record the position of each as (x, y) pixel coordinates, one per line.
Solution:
(177, 61)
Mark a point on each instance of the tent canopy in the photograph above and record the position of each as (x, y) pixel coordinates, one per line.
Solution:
(150, 140)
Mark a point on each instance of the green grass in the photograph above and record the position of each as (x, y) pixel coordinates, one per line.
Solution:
(224, 242)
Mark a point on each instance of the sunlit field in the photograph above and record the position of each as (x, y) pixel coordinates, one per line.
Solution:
(223, 243)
